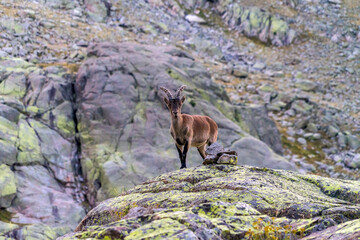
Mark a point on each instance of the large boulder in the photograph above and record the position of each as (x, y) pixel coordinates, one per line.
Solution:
(124, 124)
(38, 151)
(227, 202)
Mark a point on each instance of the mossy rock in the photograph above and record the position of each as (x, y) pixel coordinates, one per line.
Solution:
(7, 186)
(224, 202)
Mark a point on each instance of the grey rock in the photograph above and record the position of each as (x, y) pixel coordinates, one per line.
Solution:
(353, 162)
(194, 19)
(306, 85)
(47, 198)
(259, 66)
(332, 131)
(311, 127)
(335, 1)
(353, 141)
(7, 186)
(252, 151)
(97, 10)
(342, 140)
(301, 141)
(216, 154)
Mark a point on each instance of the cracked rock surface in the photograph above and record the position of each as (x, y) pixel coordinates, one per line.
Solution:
(228, 202)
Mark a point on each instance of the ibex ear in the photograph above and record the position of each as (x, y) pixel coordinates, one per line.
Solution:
(166, 101)
(183, 99)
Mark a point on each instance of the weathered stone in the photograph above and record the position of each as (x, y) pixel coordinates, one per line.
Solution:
(353, 162)
(6, 227)
(342, 140)
(194, 19)
(225, 202)
(354, 142)
(254, 22)
(251, 151)
(230, 159)
(7, 186)
(332, 131)
(28, 144)
(48, 200)
(306, 85)
(216, 154)
(97, 10)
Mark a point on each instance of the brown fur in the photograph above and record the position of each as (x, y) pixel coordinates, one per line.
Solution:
(189, 130)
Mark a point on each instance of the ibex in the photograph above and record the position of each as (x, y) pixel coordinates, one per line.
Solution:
(189, 130)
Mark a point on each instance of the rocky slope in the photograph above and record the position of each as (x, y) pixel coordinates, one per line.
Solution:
(228, 202)
(81, 118)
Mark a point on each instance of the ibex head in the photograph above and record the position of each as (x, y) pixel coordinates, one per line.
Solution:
(174, 103)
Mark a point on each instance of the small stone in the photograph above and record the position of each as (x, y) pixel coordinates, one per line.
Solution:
(266, 88)
(276, 106)
(353, 162)
(47, 24)
(301, 107)
(195, 19)
(82, 43)
(308, 167)
(316, 136)
(306, 85)
(290, 112)
(228, 159)
(77, 12)
(311, 127)
(301, 123)
(30, 13)
(353, 141)
(342, 141)
(301, 140)
(332, 131)
(259, 66)
(240, 73)
(334, 1)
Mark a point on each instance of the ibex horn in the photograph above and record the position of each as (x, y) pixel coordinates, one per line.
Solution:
(178, 92)
(168, 93)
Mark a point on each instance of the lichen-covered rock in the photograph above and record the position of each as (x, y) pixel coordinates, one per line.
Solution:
(216, 154)
(226, 202)
(7, 186)
(37, 151)
(124, 125)
(252, 21)
(97, 10)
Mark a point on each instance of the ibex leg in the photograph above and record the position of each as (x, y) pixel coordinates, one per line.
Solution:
(186, 149)
(179, 149)
(202, 151)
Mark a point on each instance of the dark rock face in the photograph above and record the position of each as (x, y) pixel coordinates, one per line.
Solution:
(228, 202)
(124, 124)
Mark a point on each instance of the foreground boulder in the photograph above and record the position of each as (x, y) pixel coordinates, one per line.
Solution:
(228, 202)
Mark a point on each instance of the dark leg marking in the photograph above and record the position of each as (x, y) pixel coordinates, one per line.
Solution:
(183, 160)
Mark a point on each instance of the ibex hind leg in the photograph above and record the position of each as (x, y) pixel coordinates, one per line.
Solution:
(202, 151)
